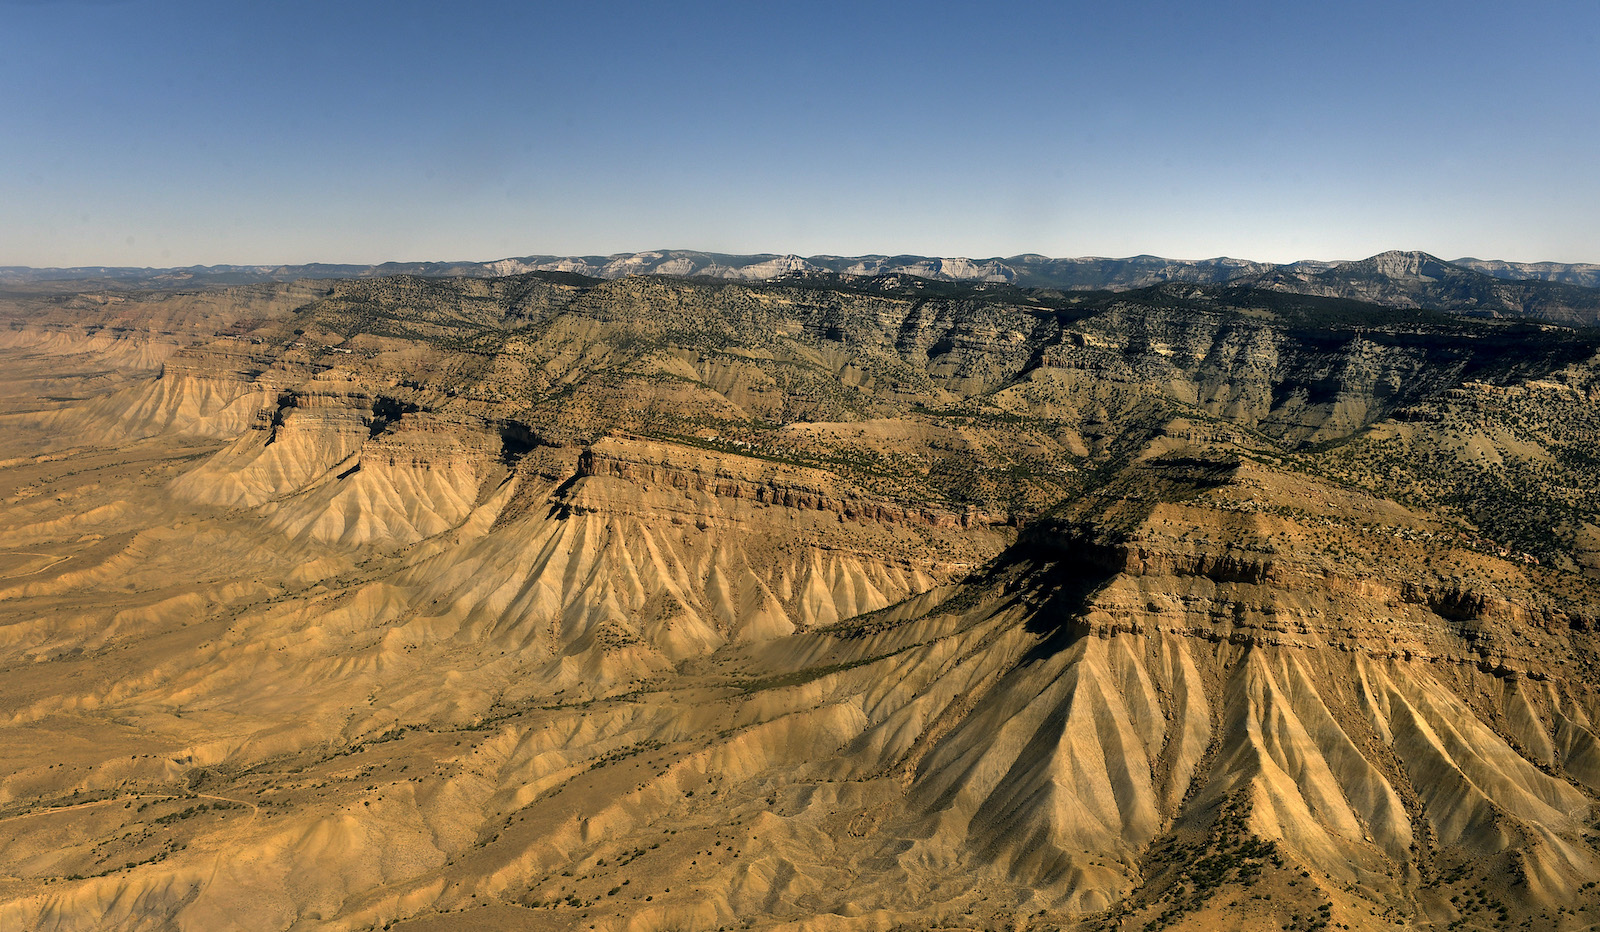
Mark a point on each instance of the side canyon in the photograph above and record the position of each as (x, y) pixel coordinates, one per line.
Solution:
(825, 602)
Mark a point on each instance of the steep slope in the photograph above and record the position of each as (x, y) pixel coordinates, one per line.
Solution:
(1416, 279)
(1196, 669)
(1515, 462)
(99, 355)
(825, 603)
(1585, 274)
(1391, 278)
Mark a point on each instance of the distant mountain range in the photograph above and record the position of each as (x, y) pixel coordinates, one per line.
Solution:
(1556, 292)
(1418, 280)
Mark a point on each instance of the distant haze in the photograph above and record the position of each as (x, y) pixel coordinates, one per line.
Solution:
(173, 133)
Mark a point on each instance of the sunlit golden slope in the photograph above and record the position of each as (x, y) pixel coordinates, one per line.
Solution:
(292, 638)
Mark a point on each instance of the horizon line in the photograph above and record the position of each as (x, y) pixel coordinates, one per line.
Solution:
(743, 255)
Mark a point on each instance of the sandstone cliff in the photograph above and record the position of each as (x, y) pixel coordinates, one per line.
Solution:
(542, 603)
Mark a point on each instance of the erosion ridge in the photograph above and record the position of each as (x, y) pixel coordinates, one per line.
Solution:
(654, 464)
(543, 602)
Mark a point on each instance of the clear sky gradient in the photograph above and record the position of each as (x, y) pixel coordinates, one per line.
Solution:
(168, 132)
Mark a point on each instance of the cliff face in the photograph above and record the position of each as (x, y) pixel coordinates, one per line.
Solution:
(541, 603)
(1585, 274)
(1416, 279)
(738, 478)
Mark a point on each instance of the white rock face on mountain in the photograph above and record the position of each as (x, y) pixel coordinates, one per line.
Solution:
(652, 604)
(1402, 264)
(756, 271)
(950, 270)
(1555, 292)
(1583, 274)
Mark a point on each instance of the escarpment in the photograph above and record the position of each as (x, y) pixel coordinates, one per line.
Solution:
(738, 478)
(821, 603)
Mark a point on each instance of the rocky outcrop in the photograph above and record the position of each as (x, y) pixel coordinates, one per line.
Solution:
(744, 478)
(1585, 274)
(1416, 279)
(541, 600)
(1399, 278)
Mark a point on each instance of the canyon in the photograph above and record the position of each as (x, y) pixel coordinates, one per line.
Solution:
(814, 599)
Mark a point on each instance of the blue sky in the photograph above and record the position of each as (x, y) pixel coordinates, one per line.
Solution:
(165, 132)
